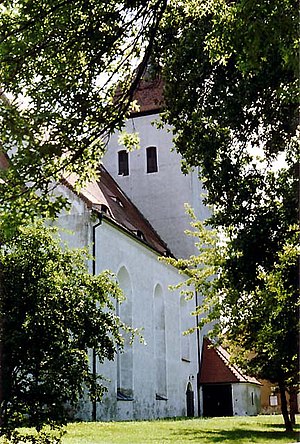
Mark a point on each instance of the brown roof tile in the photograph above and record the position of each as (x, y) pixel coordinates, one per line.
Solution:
(216, 366)
(149, 96)
(105, 196)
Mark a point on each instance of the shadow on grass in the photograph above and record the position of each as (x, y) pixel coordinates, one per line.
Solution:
(239, 435)
(281, 426)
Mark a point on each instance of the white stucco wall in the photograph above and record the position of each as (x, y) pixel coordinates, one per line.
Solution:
(246, 399)
(146, 273)
(116, 250)
(160, 196)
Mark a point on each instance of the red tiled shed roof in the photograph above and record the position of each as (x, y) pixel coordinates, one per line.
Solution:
(216, 367)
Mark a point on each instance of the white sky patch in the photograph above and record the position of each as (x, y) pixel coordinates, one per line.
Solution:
(280, 162)
(259, 157)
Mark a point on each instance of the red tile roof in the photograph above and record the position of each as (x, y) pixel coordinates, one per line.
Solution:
(4, 162)
(216, 366)
(149, 96)
(106, 197)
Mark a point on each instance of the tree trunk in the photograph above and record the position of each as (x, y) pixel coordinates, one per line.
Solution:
(284, 409)
(1, 352)
(293, 404)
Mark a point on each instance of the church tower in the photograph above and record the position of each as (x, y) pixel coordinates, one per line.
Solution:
(151, 176)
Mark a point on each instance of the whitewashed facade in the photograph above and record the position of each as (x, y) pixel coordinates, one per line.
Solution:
(149, 380)
(161, 378)
(160, 195)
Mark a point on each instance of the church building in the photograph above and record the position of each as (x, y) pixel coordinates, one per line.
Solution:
(130, 217)
(157, 378)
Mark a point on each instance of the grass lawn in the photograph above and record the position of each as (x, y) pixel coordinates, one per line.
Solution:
(244, 430)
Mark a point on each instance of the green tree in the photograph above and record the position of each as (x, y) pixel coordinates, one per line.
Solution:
(230, 70)
(68, 71)
(231, 91)
(259, 327)
(53, 311)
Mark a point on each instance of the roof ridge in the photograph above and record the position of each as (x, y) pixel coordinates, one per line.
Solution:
(232, 367)
(224, 356)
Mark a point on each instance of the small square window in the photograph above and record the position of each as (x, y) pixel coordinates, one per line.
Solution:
(123, 163)
(151, 159)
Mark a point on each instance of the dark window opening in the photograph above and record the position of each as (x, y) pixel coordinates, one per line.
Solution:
(123, 163)
(151, 159)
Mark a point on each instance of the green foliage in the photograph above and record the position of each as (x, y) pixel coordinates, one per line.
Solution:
(130, 141)
(231, 76)
(231, 72)
(274, 326)
(259, 326)
(201, 271)
(52, 312)
(231, 90)
(42, 437)
(68, 71)
(266, 320)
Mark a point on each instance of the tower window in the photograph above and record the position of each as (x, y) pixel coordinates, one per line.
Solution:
(123, 163)
(151, 159)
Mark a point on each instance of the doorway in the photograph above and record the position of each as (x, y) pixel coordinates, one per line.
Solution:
(217, 400)
(190, 411)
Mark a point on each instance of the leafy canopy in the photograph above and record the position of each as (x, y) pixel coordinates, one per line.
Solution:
(68, 71)
(52, 312)
(231, 74)
(258, 326)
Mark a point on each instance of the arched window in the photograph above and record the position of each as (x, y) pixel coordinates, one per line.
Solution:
(185, 320)
(160, 344)
(151, 155)
(125, 358)
(123, 164)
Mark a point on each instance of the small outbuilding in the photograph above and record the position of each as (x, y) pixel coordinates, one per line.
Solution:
(224, 389)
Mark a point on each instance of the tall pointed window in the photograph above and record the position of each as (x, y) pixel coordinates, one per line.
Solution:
(125, 359)
(160, 345)
(151, 159)
(123, 163)
(185, 324)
